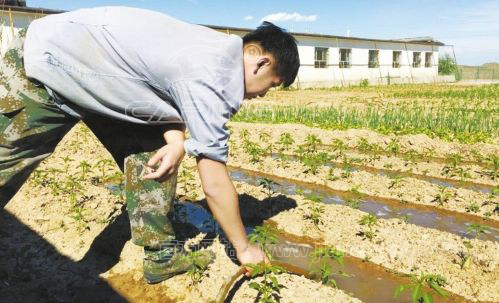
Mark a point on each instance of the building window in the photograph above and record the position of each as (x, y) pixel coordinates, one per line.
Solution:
(373, 58)
(428, 58)
(396, 59)
(320, 57)
(416, 59)
(345, 55)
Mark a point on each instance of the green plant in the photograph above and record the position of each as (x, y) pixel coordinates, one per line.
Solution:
(311, 143)
(200, 265)
(370, 221)
(364, 83)
(354, 197)
(254, 150)
(264, 136)
(286, 140)
(348, 168)
(396, 182)
(418, 285)
(103, 165)
(316, 209)
(393, 146)
(269, 288)
(267, 184)
(85, 168)
(313, 162)
(447, 65)
(477, 229)
(326, 255)
(443, 195)
(466, 256)
(244, 134)
(473, 207)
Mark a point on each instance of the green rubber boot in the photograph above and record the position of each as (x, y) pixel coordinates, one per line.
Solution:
(158, 270)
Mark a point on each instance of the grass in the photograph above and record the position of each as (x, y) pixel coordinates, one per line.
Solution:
(455, 123)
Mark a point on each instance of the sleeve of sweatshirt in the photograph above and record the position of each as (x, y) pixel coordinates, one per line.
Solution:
(205, 112)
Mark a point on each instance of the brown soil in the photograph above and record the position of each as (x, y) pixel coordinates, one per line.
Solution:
(411, 190)
(420, 143)
(52, 253)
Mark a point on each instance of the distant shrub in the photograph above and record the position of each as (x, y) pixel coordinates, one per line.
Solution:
(447, 66)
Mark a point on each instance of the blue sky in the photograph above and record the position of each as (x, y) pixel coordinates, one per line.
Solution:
(471, 26)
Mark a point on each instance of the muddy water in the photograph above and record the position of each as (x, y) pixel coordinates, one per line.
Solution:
(484, 188)
(421, 215)
(364, 280)
(367, 281)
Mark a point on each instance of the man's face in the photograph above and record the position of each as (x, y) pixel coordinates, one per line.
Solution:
(259, 75)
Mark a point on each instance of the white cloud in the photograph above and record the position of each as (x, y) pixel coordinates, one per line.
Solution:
(247, 18)
(289, 17)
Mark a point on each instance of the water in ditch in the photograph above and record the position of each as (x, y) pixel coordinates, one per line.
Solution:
(364, 280)
(483, 188)
(421, 215)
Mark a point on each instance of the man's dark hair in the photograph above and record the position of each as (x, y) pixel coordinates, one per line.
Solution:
(282, 45)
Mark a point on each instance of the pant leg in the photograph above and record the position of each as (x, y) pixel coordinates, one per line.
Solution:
(148, 202)
(31, 124)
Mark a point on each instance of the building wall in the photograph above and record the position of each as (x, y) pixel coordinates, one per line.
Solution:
(333, 75)
(308, 75)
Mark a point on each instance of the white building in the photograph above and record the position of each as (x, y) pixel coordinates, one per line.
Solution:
(326, 60)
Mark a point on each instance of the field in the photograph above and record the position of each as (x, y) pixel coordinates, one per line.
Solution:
(357, 193)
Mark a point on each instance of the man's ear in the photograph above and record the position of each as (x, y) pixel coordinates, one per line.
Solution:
(261, 63)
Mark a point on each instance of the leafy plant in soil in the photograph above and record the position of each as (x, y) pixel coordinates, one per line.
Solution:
(269, 288)
(103, 165)
(418, 286)
(493, 161)
(354, 197)
(326, 255)
(311, 143)
(283, 160)
(286, 140)
(254, 150)
(370, 221)
(316, 209)
(339, 147)
(393, 147)
(443, 195)
(473, 207)
(477, 229)
(200, 265)
(85, 169)
(396, 182)
(347, 167)
(267, 184)
(313, 162)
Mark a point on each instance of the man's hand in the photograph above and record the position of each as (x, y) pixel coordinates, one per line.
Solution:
(252, 254)
(168, 159)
